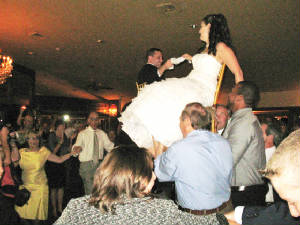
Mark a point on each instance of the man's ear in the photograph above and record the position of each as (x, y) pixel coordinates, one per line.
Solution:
(187, 121)
(188, 125)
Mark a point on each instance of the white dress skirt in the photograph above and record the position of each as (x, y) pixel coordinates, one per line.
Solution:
(156, 110)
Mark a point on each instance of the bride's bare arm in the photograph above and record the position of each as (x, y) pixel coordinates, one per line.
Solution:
(227, 56)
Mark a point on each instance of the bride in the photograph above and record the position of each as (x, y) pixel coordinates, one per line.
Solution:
(154, 113)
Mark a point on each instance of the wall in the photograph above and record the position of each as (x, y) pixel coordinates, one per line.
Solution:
(272, 99)
(280, 99)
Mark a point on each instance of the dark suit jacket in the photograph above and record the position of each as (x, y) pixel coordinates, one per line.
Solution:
(148, 74)
(276, 214)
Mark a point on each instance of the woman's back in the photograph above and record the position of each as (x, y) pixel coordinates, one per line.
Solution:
(134, 211)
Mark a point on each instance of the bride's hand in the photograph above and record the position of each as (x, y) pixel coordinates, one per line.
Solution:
(187, 56)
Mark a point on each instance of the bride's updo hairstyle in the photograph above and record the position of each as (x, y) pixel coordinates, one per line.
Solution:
(219, 32)
(124, 173)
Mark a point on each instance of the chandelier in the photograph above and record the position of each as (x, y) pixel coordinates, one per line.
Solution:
(5, 68)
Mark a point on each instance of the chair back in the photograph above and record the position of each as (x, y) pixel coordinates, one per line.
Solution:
(139, 87)
(219, 83)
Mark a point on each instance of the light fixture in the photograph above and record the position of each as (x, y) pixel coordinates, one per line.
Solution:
(66, 118)
(193, 26)
(108, 109)
(113, 110)
(5, 68)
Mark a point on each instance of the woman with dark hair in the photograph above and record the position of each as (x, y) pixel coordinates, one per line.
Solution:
(155, 112)
(58, 144)
(120, 195)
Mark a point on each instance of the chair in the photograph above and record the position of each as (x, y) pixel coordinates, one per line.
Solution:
(140, 86)
(219, 83)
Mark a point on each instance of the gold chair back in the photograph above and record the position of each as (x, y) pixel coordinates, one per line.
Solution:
(139, 87)
(219, 83)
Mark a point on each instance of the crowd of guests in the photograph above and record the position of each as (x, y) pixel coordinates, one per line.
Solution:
(38, 153)
(242, 174)
(213, 173)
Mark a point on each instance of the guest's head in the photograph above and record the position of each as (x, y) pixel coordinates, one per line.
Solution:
(44, 124)
(28, 122)
(244, 94)
(93, 120)
(79, 126)
(112, 135)
(59, 126)
(222, 116)
(126, 172)
(33, 140)
(194, 116)
(214, 29)
(154, 57)
(283, 169)
(271, 133)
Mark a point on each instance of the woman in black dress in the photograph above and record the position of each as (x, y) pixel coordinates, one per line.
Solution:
(58, 144)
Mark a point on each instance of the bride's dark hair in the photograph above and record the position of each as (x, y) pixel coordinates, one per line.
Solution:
(219, 32)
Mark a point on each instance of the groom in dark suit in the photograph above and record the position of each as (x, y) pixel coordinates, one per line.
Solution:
(153, 70)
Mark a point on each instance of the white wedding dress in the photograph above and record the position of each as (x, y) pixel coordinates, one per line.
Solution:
(157, 108)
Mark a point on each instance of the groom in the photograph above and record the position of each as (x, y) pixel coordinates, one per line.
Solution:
(153, 70)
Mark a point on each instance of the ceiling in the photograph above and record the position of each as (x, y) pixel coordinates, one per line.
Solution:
(77, 46)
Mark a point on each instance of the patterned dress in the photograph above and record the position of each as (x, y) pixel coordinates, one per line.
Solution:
(134, 211)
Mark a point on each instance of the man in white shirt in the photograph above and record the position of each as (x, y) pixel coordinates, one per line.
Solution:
(92, 142)
(272, 138)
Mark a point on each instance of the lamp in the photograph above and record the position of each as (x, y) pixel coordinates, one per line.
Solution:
(5, 68)
(113, 110)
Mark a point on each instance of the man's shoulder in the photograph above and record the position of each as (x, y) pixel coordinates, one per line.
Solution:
(244, 117)
(146, 71)
(101, 132)
(199, 136)
(206, 135)
(84, 131)
(214, 139)
(148, 66)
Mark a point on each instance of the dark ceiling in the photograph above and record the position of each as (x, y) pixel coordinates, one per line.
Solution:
(82, 48)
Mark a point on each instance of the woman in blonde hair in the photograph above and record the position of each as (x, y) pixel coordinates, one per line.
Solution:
(32, 161)
(121, 195)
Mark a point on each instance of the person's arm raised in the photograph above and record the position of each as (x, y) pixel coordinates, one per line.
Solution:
(165, 66)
